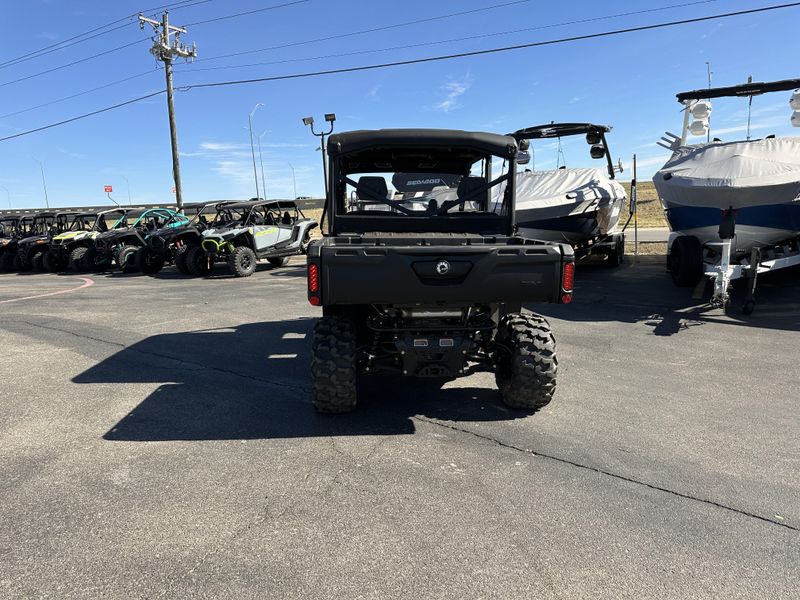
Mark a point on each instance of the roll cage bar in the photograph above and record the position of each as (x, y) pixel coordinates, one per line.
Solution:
(559, 130)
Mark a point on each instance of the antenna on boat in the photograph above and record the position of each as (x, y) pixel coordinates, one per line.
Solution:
(749, 108)
(710, 73)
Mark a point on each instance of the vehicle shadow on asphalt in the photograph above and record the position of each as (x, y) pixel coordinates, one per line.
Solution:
(253, 382)
(644, 293)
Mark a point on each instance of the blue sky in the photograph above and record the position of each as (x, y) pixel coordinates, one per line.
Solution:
(627, 81)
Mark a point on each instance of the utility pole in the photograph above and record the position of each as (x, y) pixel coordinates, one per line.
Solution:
(252, 145)
(164, 48)
(294, 180)
(128, 183)
(8, 194)
(44, 183)
(261, 160)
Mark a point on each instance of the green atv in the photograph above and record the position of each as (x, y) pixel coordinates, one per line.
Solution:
(121, 244)
(31, 250)
(172, 243)
(68, 250)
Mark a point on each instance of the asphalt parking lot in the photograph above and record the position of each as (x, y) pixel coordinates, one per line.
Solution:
(157, 440)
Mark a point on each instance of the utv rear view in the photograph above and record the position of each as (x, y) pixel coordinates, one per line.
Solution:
(429, 279)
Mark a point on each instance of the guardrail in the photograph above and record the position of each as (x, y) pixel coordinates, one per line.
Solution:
(189, 209)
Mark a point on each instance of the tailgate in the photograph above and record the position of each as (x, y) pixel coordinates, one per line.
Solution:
(449, 275)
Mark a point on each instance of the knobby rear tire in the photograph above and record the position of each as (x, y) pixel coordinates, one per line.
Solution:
(527, 363)
(334, 374)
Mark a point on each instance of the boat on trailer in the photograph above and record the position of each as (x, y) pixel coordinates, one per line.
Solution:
(733, 207)
(580, 206)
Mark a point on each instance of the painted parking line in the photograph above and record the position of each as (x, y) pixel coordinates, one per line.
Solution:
(86, 283)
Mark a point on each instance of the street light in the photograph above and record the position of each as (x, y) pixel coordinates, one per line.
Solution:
(252, 145)
(8, 194)
(261, 160)
(44, 183)
(330, 118)
(294, 180)
(128, 183)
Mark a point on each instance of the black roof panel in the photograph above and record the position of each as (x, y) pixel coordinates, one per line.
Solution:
(352, 141)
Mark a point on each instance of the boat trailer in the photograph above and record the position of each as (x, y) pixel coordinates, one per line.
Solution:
(723, 265)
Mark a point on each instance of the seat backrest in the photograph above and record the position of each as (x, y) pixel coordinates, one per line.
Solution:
(375, 184)
(287, 218)
(469, 186)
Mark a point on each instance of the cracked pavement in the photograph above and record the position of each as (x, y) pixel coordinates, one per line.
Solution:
(156, 440)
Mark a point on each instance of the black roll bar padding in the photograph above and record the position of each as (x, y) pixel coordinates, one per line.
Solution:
(742, 90)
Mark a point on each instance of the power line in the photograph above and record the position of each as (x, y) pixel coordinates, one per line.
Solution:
(93, 33)
(496, 50)
(74, 62)
(83, 93)
(451, 40)
(359, 52)
(426, 60)
(364, 31)
(83, 116)
(248, 12)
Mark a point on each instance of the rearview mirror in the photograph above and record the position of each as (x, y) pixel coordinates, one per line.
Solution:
(523, 157)
(593, 138)
(598, 151)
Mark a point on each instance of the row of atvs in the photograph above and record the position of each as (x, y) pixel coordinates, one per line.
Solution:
(145, 239)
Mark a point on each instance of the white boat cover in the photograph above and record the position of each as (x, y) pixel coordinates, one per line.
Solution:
(732, 174)
(563, 192)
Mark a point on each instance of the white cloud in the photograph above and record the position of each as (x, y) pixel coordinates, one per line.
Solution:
(453, 90)
(221, 147)
(575, 99)
(650, 161)
(373, 93)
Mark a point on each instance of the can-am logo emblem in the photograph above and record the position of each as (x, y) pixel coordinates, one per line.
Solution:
(442, 267)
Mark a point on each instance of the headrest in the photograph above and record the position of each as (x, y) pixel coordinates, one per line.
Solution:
(376, 185)
(468, 186)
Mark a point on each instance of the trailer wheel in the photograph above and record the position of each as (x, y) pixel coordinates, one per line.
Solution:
(616, 256)
(278, 261)
(242, 261)
(686, 261)
(197, 262)
(148, 261)
(126, 259)
(77, 258)
(334, 374)
(527, 363)
(180, 259)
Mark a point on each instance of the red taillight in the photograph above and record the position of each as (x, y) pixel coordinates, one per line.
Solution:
(313, 278)
(568, 277)
(566, 298)
(314, 300)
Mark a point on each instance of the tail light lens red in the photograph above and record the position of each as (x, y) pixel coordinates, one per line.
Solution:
(313, 278)
(568, 277)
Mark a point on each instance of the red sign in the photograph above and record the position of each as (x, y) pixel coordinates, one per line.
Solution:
(108, 189)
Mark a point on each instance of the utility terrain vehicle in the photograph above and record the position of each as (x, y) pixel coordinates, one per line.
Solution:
(245, 232)
(122, 243)
(68, 250)
(171, 244)
(32, 249)
(11, 229)
(430, 285)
